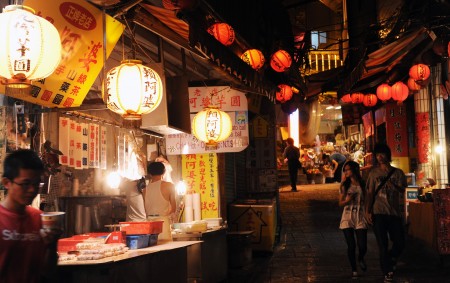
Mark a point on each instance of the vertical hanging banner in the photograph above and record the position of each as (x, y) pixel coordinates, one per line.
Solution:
(93, 146)
(64, 127)
(396, 129)
(199, 172)
(103, 148)
(78, 152)
(72, 136)
(80, 26)
(97, 146)
(85, 145)
(120, 152)
(423, 136)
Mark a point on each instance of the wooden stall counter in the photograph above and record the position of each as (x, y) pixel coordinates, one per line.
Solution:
(165, 262)
(421, 222)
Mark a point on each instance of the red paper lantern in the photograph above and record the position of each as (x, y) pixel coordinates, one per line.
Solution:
(347, 98)
(223, 32)
(179, 4)
(384, 92)
(399, 92)
(357, 97)
(280, 61)
(412, 85)
(254, 58)
(419, 72)
(370, 100)
(284, 94)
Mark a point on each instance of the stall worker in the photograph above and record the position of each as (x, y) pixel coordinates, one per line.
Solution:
(135, 199)
(27, 252)
(159, 199)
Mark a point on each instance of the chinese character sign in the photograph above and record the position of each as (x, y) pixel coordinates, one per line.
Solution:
(199, 172)
(223, 97)
(63, 132)
(80, 27)
(396, 130)
(423, 136)
(238, 140)
(83, 144)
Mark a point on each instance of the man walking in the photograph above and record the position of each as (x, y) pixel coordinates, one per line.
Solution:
(385, 187)
(291, 155)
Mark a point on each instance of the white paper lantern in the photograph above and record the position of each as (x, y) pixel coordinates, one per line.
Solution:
(211, 125)
(30, 48)
(132, 89)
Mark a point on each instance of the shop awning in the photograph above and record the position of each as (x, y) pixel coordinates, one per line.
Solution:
(375, 68)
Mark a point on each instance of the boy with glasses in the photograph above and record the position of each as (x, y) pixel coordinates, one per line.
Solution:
(27, 252)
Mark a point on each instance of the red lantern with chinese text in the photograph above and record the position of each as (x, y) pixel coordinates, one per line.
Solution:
(370, 100)
(419, 72)
(284, 94)
(384, 92)
(254, 58)
(223, 32)
(357, 97)
(399, 92)
(347, 98)
(280, 61)
(413, 86)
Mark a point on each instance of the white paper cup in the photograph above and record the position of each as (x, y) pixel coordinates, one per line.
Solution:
(53, 220)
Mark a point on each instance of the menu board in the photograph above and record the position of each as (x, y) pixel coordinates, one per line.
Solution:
(441, 204)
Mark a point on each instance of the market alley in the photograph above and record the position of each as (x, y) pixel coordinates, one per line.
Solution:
(313, 249)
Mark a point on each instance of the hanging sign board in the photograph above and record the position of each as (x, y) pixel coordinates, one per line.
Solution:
(80, 26)
(396, 129)
(233, 102)
(199, 172)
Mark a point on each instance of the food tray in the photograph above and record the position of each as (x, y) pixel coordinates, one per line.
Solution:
(141, 228)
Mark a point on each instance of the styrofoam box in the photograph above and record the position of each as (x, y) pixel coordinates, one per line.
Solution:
(213, 222)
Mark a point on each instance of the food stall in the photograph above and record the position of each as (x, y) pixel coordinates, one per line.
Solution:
(165, 262)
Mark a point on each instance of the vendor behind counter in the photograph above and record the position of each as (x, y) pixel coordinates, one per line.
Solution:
(135, 200)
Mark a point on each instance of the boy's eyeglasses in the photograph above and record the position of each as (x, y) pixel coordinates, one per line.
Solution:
(26, 185)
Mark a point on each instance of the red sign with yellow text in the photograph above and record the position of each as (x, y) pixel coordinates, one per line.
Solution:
(80, 26)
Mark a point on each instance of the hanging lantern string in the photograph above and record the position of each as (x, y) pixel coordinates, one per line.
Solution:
(134, 41)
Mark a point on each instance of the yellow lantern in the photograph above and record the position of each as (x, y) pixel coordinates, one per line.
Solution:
(211, 125)
(132, 89)
(254, 58)
(30, 49)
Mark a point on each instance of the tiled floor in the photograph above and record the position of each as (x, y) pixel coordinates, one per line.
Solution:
(313, 249)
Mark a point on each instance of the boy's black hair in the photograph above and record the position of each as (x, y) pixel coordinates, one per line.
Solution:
(21, 159)
(382, 148)
(156, 168)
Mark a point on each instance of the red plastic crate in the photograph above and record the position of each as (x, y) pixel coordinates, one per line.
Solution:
(140, 228)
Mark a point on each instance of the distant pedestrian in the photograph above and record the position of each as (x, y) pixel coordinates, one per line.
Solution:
(352, 196)
(291, 155)
(338, 160)
(385, 187)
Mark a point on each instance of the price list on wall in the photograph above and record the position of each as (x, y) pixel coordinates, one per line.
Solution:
(441, 204)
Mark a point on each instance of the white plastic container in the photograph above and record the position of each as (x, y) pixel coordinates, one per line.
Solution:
(213, 222)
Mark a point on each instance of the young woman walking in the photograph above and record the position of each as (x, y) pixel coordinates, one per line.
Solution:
(352, 197)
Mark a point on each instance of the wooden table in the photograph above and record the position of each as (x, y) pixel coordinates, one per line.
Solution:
(422, 225)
